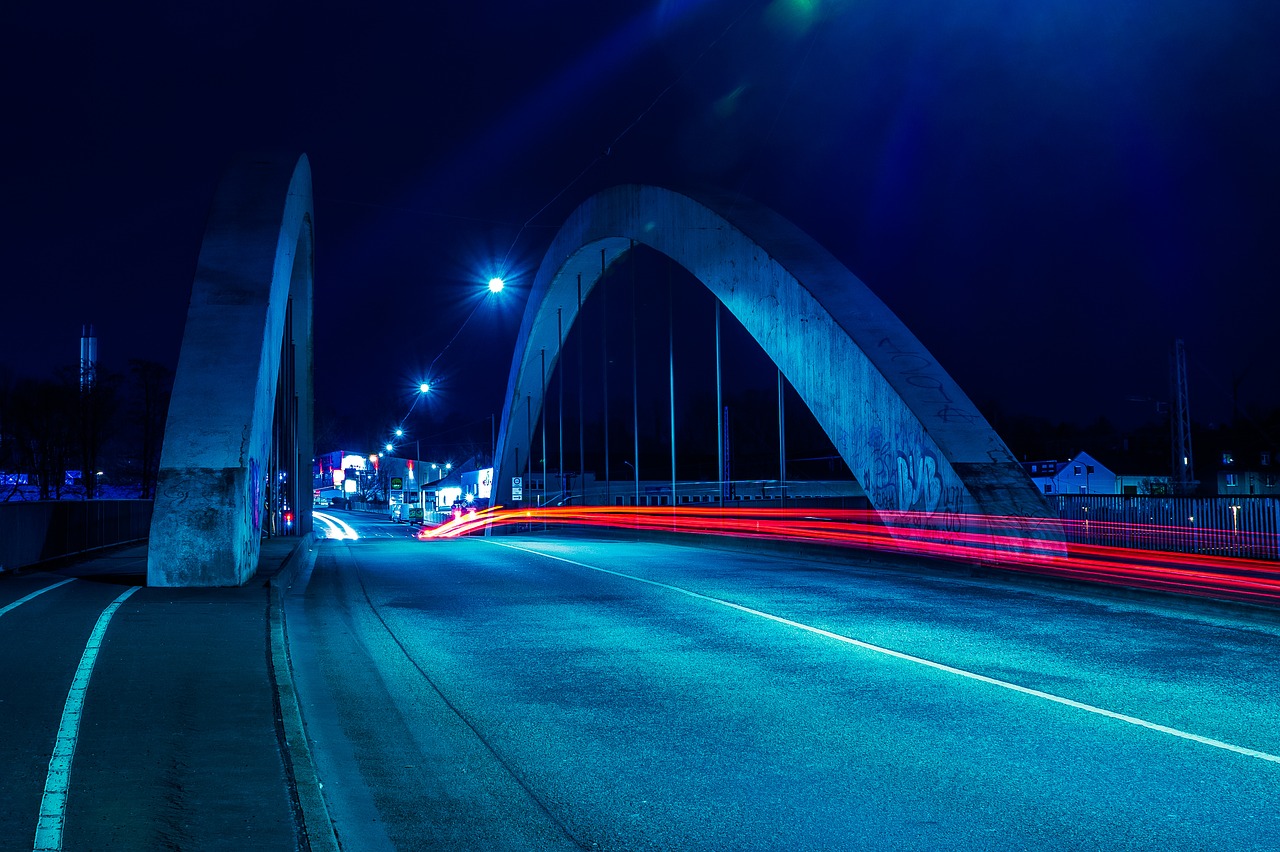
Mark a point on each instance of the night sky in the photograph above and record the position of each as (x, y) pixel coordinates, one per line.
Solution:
(1046, 193)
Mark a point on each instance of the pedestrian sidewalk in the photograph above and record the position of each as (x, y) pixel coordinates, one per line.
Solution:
(183, 742)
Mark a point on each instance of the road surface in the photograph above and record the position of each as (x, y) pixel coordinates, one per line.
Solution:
(543, 692)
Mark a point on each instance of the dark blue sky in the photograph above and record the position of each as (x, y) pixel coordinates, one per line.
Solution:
(1046, 193)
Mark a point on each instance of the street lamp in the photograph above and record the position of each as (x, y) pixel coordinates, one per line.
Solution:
(635, 473)
(496, 284)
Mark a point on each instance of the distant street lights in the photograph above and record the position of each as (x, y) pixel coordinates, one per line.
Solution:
(496, 285)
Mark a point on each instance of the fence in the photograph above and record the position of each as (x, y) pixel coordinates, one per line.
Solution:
(1222, 526)
(36, 531)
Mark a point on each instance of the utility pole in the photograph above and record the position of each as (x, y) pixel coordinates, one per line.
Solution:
(635, 380)
(604, 360)
(1184, 478)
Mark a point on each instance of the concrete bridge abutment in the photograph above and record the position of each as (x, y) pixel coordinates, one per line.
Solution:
(236, 460)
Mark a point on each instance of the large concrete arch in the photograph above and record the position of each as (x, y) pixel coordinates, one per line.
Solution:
(910, 435)
(243, 387)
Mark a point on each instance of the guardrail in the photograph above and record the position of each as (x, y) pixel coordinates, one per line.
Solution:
(37, 531)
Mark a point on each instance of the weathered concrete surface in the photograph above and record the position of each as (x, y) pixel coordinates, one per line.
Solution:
(910, 435)
(257, 255)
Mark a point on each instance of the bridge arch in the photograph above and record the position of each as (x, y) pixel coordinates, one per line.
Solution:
(238, 440)
(909, 434)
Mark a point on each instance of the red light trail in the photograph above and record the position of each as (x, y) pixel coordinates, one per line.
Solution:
(1028, 545)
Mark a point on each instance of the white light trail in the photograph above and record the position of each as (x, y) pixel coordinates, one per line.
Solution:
(335, 528)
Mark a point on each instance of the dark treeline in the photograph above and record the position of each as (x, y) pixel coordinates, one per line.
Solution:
(1251, 441)
(60, 437)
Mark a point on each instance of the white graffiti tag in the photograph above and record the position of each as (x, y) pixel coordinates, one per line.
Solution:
(919, 488)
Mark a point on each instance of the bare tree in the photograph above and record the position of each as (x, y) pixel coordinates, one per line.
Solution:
(44, 415)
(150, 389)
(98, 403)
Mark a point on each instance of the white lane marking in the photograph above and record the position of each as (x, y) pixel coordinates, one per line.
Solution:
(36, 593)
(53, 806)
(1047, 696)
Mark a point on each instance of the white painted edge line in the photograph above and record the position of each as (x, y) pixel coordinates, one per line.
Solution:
(53, 806)
(34, 594)
(1057, 699)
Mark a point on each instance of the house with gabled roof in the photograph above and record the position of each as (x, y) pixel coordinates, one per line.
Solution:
(1081, 474)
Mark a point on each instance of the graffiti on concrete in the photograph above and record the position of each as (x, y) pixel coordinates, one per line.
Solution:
(920, 371)
(255, 494)
(919, 487)
(904, 474)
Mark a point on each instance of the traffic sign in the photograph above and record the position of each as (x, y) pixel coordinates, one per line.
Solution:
(517, 488)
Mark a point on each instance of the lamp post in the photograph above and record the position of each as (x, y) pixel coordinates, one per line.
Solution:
(495, 285)
(424, 388)
(636, 475)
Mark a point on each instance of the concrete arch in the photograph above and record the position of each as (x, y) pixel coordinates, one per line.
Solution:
(243, 387)
(910, 435)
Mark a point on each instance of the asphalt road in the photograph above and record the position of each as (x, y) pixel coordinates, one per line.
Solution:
(548, 693)
(146, 713)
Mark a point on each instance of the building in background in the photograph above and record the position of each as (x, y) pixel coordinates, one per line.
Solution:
(1081, 474)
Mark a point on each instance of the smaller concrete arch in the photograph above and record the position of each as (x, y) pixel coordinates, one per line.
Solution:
(910, 435)
(239, 426)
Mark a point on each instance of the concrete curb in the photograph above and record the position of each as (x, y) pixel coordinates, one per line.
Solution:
(316, 828)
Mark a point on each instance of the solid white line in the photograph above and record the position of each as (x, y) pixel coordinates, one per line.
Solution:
(53, 806)
(36, 593)
(1057, 699)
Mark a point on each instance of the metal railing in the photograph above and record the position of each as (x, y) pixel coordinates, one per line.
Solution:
(1223, 526)
(38, 531)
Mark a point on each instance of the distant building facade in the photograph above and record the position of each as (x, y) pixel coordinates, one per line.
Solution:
(1253, 473)
(1081, 474)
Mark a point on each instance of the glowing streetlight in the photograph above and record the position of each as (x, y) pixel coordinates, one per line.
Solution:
(425, 387)
(399, 432)
(389, 448)
(495, 285)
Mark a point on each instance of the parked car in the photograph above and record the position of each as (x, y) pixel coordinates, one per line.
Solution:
(401, 512)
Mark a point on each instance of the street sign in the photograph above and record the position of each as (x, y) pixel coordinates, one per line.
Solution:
(517, 488)
(397, 483)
